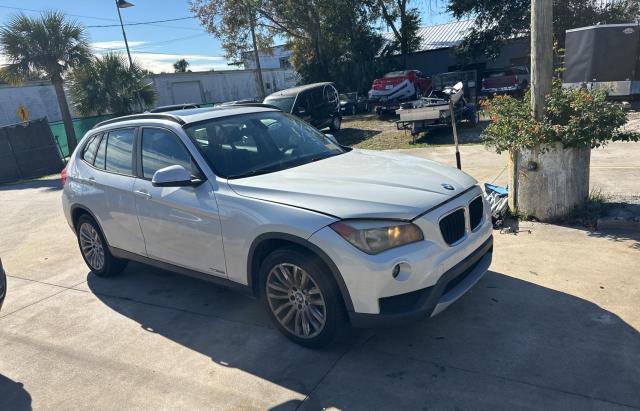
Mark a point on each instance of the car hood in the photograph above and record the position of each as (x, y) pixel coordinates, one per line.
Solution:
(360, 184)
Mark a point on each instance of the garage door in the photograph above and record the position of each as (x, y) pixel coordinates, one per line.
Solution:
(187, 92)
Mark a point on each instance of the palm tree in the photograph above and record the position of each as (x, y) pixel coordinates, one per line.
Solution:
(180, 66)
(46, 46)
(108, 85)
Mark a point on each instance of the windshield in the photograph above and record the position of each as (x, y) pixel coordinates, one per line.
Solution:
(283, 103)
(259, 143)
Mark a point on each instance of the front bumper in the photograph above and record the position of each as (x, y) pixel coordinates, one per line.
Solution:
(430, 301)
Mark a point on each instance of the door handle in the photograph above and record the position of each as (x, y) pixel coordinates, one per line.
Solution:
(142, 193)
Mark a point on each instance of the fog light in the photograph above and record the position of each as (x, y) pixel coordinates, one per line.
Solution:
(396, 271)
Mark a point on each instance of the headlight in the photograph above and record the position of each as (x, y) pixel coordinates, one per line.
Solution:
(376, 236)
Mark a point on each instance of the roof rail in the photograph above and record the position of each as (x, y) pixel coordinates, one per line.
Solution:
(142, 116)
(247, 104)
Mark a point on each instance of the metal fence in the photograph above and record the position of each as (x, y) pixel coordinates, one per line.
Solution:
(80, 125)
(28, 151)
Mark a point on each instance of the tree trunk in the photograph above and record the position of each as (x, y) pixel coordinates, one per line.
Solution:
(72, 142)
(256, 55)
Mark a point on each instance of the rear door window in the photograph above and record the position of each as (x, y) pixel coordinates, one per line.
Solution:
(119, 155)
(160, 149)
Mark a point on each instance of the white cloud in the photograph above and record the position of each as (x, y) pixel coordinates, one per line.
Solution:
(162, 62)
(115, 44)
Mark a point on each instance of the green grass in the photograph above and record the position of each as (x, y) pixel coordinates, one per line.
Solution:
(371, 132)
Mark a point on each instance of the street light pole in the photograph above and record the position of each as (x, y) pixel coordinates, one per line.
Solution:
(119, 5)
(123, 4)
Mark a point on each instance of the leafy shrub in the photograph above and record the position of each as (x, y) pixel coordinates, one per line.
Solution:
(573, 117)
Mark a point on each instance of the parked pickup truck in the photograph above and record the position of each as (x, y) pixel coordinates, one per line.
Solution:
(513, 80)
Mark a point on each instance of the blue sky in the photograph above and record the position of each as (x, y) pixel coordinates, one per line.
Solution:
(157, 46)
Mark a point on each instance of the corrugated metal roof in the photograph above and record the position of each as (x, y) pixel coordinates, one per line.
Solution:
(440, 36)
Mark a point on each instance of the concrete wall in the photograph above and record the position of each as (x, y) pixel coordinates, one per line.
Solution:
(548, 185)
(218, 86)
(38, 97)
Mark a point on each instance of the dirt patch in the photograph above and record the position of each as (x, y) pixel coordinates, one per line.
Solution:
(369, 131)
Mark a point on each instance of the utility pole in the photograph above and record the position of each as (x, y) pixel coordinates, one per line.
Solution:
(541, 54)
(541, 79)
(256, 56)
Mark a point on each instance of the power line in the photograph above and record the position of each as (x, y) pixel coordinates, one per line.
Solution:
(143, 22)
(150, 23)
(41, 10)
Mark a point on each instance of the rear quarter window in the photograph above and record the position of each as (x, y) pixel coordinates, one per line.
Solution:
(89, 150)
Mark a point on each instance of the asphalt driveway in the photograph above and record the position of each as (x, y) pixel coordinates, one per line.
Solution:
(554, 325)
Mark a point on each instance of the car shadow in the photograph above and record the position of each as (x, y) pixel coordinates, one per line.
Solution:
(506, 329)
(13, 396)
(47, 184)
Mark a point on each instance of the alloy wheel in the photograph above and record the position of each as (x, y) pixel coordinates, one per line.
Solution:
(296, 300)
(91, 246)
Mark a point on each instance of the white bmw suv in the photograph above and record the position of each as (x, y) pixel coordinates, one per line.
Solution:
(258, 200)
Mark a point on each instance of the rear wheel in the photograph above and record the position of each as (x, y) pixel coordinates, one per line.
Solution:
(94, 249)
(301, 297)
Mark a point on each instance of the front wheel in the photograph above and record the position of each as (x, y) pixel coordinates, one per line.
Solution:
(301, 297)
(336, 122)
(94, 249)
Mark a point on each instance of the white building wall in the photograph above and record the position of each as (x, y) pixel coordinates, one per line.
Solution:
(218, 86)
(38, 97)
(267, 60)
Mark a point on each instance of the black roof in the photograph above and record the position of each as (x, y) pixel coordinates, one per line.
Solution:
(297, 90)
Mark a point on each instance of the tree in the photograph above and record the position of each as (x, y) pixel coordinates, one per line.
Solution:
(109, 85)
(180, 66)
(499, 20)
(49, 45)
(240, 25)
(349, 47)
(404, 23)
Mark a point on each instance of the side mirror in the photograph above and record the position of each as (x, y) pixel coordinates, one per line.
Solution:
(174, 176)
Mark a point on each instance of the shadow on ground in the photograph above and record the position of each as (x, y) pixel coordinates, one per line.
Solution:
(507, 344)
(443, 135)
(352, 136)
(48, 184)
(13, 396)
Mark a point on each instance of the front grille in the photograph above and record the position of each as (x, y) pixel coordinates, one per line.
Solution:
(476, 207)
(452, 226)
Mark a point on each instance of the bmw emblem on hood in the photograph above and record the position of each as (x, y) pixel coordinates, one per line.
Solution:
(447, 186)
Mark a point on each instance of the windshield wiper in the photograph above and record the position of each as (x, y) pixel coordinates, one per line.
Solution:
(257, 171)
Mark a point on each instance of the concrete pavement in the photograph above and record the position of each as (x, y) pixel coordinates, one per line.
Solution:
(615, 169)
(554, 324)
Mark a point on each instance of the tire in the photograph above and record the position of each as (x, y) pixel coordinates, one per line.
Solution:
(336, 123)
(90, 238)
(299, 301)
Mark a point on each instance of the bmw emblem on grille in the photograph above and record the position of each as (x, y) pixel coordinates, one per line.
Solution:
(447, 186)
